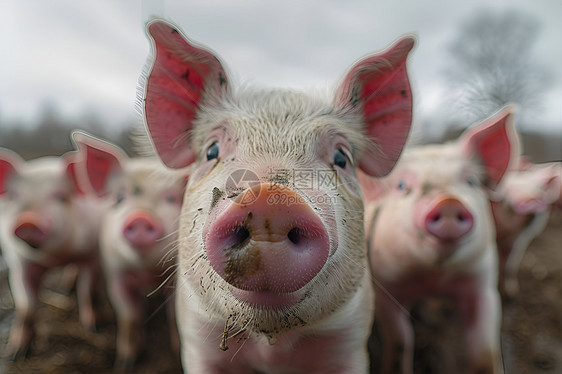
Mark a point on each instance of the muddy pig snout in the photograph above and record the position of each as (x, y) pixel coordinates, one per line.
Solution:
(275, 242)
(142, 230)
(448, 219)
(32, 228)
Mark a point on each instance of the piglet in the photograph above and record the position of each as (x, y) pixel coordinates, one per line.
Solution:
(138, 235)
(431, 234)
(272, 261)
(46, 221)
(521, 207)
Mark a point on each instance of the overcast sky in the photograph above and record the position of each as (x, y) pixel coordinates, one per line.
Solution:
(84, 55)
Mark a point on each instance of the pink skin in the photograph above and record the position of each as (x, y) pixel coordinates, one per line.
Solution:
(289, 243)
(142, 230)
(32, 228)
(448, 219)
(46, 222)
(137, 234)
(430, 234)
(270, 272)
(521, 208)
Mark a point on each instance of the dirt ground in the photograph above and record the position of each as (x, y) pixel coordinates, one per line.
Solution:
(531, 338)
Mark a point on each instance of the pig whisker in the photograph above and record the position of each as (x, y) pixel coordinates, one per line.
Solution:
(394, 300)
(164, 282)
(387, 293)
(173, 268)
(227, 331)
(171, 253)
(223, 344)
(166, 301)
(238, 350)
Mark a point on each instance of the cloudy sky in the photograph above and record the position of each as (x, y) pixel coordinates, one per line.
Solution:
(86, 56)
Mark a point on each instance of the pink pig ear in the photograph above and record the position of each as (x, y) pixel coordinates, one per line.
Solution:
(9, 165)
(72, 159)
(495, 143)
(99, 162)
(380, 87)
(181, 75)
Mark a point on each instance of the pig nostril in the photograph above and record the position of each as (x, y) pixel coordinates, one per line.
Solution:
(295, 236)
(240, 235)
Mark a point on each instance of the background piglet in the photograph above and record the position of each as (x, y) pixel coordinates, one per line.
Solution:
(138, 235)
(431, 234)
(272, 260)
(521, 207)
(45, 222)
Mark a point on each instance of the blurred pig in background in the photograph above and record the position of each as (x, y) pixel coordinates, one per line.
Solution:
(431, 234)
(521, 207)
(272, 258)
(138, 235)
(46, 221)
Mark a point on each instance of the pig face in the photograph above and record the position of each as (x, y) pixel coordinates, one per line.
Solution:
(143, 201)
(271, 238)
(40, 198)
(533, 189)
(143, 217)
(438, 197)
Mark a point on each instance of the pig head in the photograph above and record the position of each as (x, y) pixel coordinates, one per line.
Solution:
(271, 256)
(521, 208)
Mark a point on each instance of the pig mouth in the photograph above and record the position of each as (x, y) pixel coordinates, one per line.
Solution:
(267, 299)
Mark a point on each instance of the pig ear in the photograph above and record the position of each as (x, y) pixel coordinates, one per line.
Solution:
(9, 165)
(495, 143)
(373, 188)
(378, 85)
(182, 74)
(99, 162)
(71, 159)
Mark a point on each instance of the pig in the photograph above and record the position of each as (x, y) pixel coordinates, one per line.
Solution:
(521, 207)
(138, 233)
(430, 234)
(272, 261)
(46, 221)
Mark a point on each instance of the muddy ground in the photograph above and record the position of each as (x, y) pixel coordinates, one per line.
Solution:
(531, 338)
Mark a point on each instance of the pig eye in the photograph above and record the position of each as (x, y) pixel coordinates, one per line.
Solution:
(339, 159)
(62, 197)
(401, 186)
(171, 199)
(213, 151)
(472, 182)
(120, 197)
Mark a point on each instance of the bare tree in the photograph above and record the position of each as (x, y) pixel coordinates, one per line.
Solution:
(491, 64)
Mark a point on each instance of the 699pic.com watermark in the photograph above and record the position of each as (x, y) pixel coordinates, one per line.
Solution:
(284, 186)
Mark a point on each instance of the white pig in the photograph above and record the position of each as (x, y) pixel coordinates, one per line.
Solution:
(521, 207)
(137, 237)
(431, 234)
(46, 221)
(272, 261)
